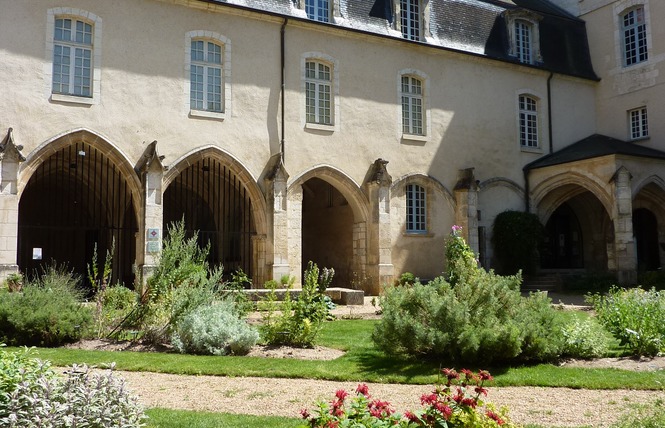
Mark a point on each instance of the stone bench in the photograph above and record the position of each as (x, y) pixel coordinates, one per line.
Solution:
(340, 296)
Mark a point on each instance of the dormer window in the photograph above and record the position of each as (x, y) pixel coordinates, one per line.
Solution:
(524, 36)
(318, 10)
(409, 13)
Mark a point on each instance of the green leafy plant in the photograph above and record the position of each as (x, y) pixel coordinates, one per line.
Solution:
(650, 415)
(80, 399)
(481, 317)
(214, 329)
(299, 321)
(19, 368)
(517, 237)
(49, 311)
(634, 316)
(406, 279)
(456, 404)
(584, 339)
(14, 282)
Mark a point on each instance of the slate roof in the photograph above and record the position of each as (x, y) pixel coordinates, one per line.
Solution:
(592, 147)
(475, 27)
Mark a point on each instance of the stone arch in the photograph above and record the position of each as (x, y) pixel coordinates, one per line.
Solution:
(210, 168)
(328, 223)
(502, 182)
(78, 191)
(649, 196)
(549, 194)
(420, 253)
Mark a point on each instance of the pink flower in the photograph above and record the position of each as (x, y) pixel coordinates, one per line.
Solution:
(480, 390)
(428, 398)
(469, 402)
(304, 413)
(411, 416)
(445, 411)
(484, 375)
(341, 394)
(496, 418)
(450, 374)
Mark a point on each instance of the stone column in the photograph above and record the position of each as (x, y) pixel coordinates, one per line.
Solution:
(624, 254)
(466, 201)
(294, 230)
(276, 185)
(379, 252)
(10, 159)
(259, 264)
(151, 170)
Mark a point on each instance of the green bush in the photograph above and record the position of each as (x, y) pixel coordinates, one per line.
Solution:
(214, 329)
(516, 237)
(49, 312)
(35, 397)
(584, 339)
(634, 316)
(482, 318)
(299, 321)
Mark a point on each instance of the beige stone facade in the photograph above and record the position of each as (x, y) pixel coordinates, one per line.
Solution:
(268, 187)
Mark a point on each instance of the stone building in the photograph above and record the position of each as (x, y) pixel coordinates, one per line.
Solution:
(353, 133)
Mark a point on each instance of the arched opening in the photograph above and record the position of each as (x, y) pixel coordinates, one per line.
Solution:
(645, 230)
(563, 245)
(327, 229)
(212, 200)
(78, 198)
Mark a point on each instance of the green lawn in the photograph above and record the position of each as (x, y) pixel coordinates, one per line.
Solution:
(165, 418)
(362, 362)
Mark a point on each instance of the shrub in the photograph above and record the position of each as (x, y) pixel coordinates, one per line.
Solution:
(634, 316)
(457, 404)
(14, 282)
(49, 312)
(406, 279)
(483, 317)
(214, 329)
(299, 321)
(517, 237)
(81, 399)
(584, 339)
(16, 368)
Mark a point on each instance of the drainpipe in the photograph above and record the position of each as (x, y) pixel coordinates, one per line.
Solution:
(549, 111)
(282, 49)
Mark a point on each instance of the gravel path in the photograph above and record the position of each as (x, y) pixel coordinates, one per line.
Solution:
(561, 407)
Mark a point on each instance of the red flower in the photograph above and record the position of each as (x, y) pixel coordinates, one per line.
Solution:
(469, 402)
(362, 389)
(341, 394)
(304, 413)
(485, 375)
(480, 390)
(496, 418)
(450, 374)
(428, 398)
(444, 410)
(411, 416)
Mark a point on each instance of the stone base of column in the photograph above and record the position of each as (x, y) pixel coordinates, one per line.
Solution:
(626, 277)
(279, 270)
(386, 277)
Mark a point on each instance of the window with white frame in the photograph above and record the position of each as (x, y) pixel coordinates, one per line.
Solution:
(206, 91)
(639, 126)
(528, 121)
(318, 10)
(412, 105)
(72, 57)
(410, 16)
(634, 33)
(523, 40)
(318, 92)
(416, 209)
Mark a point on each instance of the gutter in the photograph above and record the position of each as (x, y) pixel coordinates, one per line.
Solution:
(282, 47)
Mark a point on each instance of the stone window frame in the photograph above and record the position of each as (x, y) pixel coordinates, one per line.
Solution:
(335, 110)
(638, 124)
(538, 113)
(427, 126)
(333, 12)
(424, 23)
(620, 10)
(96, 56)
(225, 43)
(532, 20)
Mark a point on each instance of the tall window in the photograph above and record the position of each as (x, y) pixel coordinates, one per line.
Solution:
(318, 93)
(72, 57)
(523, 40)
(528, 118)
(639, 126)
(410, 19)
(412, 105)
(318, 10)
(634, 36)
(415, 209)
(206, 76)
